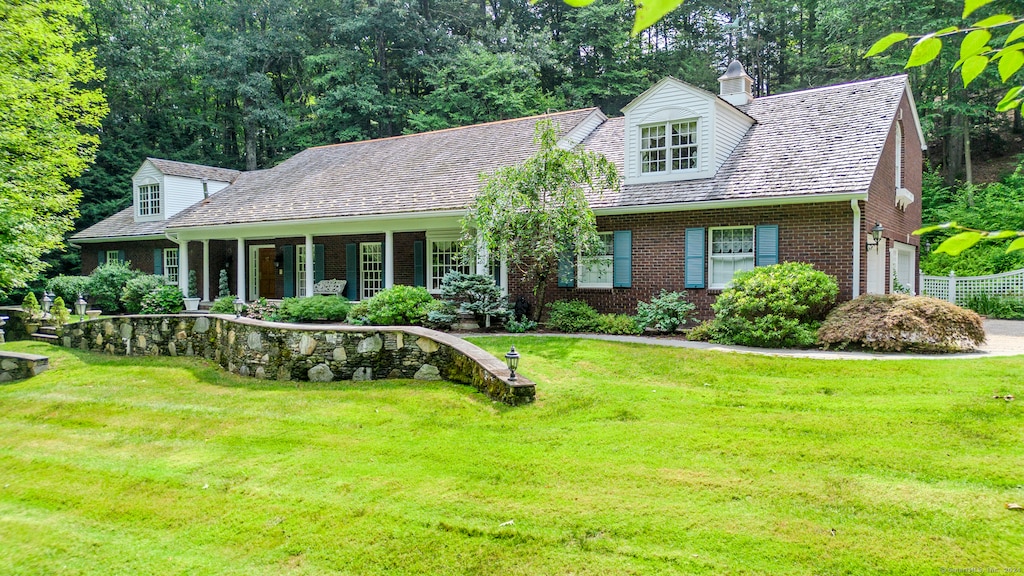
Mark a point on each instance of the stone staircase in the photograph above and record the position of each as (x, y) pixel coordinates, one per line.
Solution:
(46, 334)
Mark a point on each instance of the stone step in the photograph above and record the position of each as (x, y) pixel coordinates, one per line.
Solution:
(40, 337)
(51, 330)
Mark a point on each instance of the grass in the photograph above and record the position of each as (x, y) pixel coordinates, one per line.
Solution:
(634, 460)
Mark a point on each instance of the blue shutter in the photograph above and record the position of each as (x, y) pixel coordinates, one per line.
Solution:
(566, 270)
(319, 263)
(288, 269)
(497, 273)
(419, 275)
(158, 261)
(766, 244)
(693, 274)
(120, 257)
(101, 257)
(622, 259)
(352, 270)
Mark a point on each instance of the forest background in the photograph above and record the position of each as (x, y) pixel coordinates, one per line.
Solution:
(247, 84)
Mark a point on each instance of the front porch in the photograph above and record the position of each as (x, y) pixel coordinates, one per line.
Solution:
(275, 264)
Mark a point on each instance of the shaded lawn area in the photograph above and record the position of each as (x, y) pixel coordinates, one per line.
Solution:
(634, 460)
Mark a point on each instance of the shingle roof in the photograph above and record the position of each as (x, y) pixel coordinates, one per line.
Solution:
(432, 171)
(120, 225)
(172, 168)
(819, 141)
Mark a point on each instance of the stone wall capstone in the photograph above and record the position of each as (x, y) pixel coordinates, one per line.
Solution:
(18, 366)
(316, 353)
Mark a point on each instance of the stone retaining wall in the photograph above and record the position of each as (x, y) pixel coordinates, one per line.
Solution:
(17, 366)
(318, 353)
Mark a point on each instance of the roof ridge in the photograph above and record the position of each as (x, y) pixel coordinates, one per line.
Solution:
(152, 158)
(831, 87)
(453, 128)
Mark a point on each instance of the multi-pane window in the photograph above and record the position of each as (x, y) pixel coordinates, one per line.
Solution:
(300, 270)
(171, 265)
(596, 271)
(445, 257)
(149, 199)
(660, 142)
(113, 256)
(732, 251)
(371, 267)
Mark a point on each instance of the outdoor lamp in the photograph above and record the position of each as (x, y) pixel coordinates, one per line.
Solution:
(47, 303)
(80, 306)
(512, 360)
(876, 234)
(239, 305)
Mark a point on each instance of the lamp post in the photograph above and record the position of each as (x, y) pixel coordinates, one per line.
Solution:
(876, 234)
(239, 306)
(47, 303)
(80, 306)
(512, 361)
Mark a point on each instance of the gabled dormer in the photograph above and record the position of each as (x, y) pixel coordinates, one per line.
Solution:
(163, 188)
(675, 131)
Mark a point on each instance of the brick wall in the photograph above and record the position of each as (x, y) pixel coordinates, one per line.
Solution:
(139, 253)
(815, 233)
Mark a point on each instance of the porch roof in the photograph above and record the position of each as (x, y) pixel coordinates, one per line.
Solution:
(428, 172)
(121, 225)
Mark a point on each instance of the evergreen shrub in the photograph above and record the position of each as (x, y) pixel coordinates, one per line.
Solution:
(317, 308)
(106, 285)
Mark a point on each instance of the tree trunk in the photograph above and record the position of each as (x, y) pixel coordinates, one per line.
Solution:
(967, 153)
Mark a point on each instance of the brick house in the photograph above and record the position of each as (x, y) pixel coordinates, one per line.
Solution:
(712, 185)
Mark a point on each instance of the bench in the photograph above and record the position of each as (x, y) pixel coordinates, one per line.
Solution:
(329, 287)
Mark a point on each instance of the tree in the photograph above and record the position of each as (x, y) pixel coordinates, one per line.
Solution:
(976, 53)
(47, 119)
(534, 213)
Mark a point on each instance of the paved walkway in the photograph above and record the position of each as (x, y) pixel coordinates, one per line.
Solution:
(1004, 338)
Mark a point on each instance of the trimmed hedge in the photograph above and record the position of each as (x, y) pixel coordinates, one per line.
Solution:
(901, 323)
(317, 308)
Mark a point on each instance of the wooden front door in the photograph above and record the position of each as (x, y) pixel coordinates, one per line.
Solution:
(267, 273)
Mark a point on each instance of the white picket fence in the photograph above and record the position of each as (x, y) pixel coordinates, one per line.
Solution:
(958, 289)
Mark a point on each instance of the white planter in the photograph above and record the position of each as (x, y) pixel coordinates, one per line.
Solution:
(192, 304)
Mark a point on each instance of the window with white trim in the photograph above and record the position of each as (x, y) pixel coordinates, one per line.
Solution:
(171, 265)
(731, 251)
(668, 147)
(597, 271)
(113, 256)
(300, 270)
(371, 268)
(149, 199)
(445, 255)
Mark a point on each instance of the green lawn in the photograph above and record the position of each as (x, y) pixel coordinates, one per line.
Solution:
(634, 460)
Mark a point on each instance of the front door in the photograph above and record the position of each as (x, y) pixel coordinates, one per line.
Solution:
(267, 273)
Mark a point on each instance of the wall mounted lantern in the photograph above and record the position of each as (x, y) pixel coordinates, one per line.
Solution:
(876, 234)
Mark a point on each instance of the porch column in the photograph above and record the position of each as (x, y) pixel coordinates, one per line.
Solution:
(389, 259)
(206, 270)
(240, 269)
(482, 257)
(183, 267)
(310, 255)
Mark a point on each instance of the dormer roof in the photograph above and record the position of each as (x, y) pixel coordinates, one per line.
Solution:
(187, 170)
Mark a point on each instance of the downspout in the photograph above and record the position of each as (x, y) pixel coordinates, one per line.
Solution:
(856, 247)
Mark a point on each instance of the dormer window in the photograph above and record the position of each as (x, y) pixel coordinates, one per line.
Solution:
(668, 147)
(149, 200)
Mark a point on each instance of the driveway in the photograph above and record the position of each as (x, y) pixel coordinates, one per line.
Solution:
(1004, 337)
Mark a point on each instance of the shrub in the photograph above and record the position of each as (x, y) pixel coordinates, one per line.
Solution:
(519, 326)
(223, 289)
(163, 300)
(901, 323)
(441, 314)
(774, 306)
(1004, 307)
(572, 316)
(193, 285)
(396, 306)
(261, 309)
(59, 313)
(223, 305)
(106, 284)
(618, 324)
(666, 312)
(31, 306)
(136, 289)
(476, 294)
(702, 332)
(68, 287)
(316, 308)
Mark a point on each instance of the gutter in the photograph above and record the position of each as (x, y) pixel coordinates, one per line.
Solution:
(856, 247)
(735, 203)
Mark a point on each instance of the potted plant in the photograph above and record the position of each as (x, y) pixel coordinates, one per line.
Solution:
(192, 302)
(35, 314)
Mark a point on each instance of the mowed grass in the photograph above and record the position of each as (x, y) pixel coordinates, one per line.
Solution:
(634, 460)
